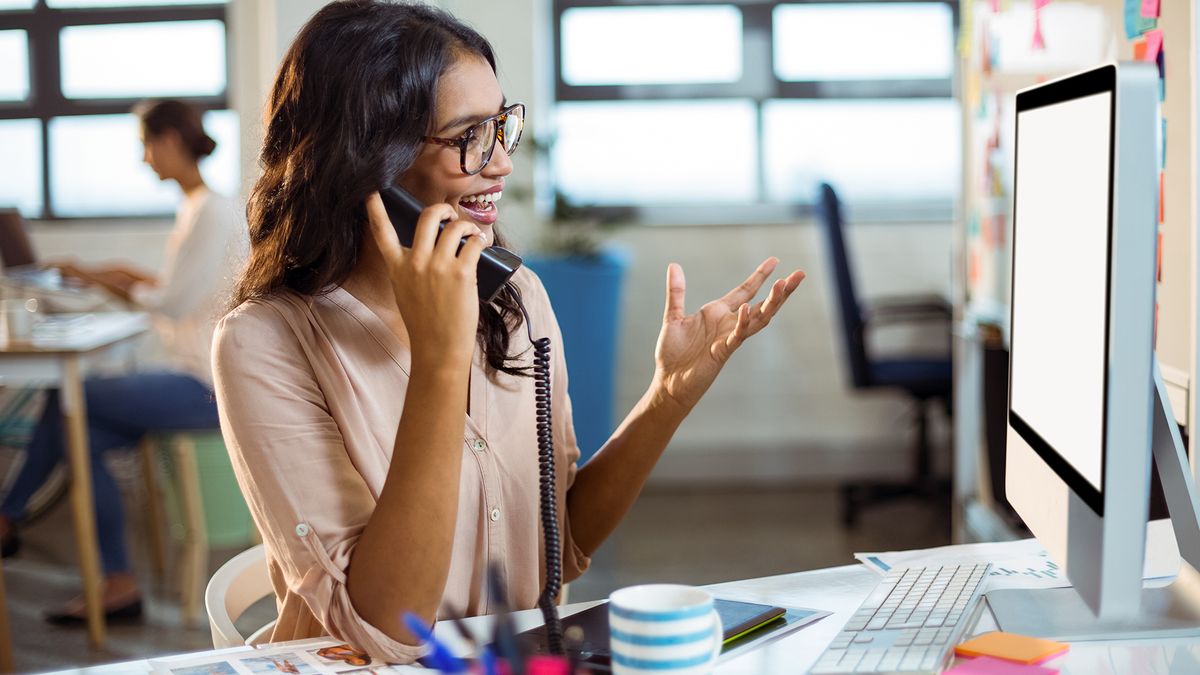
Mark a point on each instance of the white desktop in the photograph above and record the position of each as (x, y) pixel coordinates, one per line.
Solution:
(1087, 405)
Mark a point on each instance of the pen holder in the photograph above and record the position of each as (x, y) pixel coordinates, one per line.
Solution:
(664, 628)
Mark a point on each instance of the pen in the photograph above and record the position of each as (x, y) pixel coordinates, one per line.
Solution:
(487, 658)
(504, 638)
(439, 656)
(487, 661)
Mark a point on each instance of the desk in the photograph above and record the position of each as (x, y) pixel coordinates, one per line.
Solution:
(839, 590)
(60, 362)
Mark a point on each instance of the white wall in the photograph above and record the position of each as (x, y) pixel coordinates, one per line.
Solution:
(781, 411)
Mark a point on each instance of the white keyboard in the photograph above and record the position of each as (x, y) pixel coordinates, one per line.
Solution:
(909, 623)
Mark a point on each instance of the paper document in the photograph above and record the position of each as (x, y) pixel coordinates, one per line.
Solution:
(1025, 563)
(318, 656)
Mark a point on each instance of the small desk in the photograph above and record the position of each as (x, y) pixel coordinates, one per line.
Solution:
(839, 590)
(60, 362)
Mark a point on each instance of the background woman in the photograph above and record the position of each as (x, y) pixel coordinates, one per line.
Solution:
(204, 251)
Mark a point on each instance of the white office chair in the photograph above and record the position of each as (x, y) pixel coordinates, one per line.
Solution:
(241, 582)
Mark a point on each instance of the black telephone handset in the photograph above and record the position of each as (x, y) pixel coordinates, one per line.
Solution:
(496, 264)
(496, 267)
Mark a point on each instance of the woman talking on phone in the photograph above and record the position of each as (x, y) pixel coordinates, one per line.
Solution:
(381, 417)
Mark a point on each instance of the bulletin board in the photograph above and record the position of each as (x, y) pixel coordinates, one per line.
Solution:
(1007, 45)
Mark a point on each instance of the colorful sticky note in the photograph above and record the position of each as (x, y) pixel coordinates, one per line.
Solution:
(1135, 23)
(1150, 9)
(1161, 192)
(1011, 647)
(1158, 261)
(966, 26)
(986, 665)
(1154, 43)
(1139, 50)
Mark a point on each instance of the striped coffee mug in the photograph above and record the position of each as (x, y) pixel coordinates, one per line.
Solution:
(663, 629)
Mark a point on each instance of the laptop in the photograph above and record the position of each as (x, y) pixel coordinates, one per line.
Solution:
(19, 259)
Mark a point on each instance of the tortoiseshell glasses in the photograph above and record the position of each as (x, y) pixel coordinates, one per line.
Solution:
(476, 145)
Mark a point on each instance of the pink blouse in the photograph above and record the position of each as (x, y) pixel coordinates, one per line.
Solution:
(310, 391)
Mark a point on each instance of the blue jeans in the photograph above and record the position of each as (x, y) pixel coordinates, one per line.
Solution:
(120, 410)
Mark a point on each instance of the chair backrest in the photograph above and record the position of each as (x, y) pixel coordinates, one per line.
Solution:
(239, 583)
(829, 212)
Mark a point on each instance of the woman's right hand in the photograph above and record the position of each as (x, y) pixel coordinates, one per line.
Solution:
(435, 288)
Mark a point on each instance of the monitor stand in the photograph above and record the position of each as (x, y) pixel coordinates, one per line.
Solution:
(1170, 611)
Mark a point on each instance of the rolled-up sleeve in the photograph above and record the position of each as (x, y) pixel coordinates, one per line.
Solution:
(307, 498)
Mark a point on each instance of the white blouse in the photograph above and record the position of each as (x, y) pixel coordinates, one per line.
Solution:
(205, 253)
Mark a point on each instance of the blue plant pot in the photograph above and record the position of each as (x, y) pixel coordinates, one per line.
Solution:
(586, 295)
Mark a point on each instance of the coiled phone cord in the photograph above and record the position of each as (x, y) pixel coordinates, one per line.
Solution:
(547, 488)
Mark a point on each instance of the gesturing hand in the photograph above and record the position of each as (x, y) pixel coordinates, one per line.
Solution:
(692, 348)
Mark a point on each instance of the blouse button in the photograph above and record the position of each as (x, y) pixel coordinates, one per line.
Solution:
(495, 515)
(302, 530)
(479, 444)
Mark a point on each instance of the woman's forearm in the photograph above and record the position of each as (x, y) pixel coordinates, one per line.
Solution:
(402, 558)
(606, 487)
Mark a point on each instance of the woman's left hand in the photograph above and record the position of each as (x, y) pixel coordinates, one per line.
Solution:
(692, 348)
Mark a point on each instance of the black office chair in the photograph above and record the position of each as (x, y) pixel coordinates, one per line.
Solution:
(923, 379)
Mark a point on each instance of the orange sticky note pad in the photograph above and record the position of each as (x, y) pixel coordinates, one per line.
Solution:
(1011, 647)
(1139, 49)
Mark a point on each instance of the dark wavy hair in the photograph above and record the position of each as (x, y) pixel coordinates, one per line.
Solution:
(352, 101)
(160, 116)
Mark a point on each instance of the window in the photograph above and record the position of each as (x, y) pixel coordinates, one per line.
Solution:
(695, 110)
(79, 66)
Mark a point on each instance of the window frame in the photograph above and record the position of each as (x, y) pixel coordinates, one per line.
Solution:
(757, 22)
(43, 26)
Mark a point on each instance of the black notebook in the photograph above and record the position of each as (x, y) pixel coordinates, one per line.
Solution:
(740, 620)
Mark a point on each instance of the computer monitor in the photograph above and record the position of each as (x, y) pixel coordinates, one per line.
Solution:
(1086, 402)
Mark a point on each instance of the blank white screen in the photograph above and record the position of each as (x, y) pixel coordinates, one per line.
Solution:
(1060, 277)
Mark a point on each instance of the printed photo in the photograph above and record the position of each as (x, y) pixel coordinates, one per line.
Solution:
(293, 664)
(340, 656)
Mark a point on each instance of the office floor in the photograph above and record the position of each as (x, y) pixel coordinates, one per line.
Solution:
(694, 536)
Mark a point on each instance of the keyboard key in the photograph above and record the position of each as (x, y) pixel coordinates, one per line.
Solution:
(891, 660)
(863, 638)
(930, 662)
(870, 661)
(850, 659)
(912, 659)
(925, 636)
